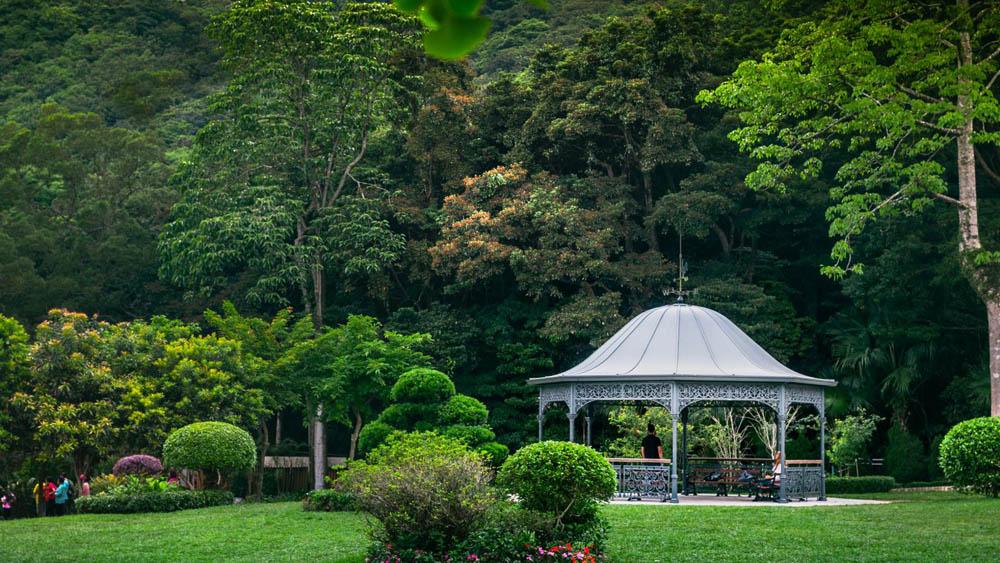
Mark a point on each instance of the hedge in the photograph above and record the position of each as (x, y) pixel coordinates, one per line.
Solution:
(329, 500)
(870, 484)
(168, 501)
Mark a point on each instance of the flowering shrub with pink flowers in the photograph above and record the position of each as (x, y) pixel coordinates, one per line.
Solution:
(139, 464)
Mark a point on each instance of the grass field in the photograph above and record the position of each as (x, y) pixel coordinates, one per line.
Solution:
(919, 527)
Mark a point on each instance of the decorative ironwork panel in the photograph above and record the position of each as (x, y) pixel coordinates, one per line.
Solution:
(803, 481)
(804, 394)
(553, 394)
(637, 481)
(765, 393)
(652, 392)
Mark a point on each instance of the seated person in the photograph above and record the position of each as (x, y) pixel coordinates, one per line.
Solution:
(652, 447)
(775, 475)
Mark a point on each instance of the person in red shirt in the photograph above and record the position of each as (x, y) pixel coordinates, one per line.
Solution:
(50, 497)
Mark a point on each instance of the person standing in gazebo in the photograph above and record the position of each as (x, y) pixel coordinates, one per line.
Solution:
(652, 447)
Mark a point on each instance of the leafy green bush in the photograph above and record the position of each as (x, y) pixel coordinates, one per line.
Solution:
(504, 532)
(135, 484)
(464, 410)
(849, 439)
(406, 416)
(495, 452)
(214, 446)
(165, 501)
(905, 459)
(870, 484)
(422, 385)
(469, 435)
(427, 491)
(372, 435)
(329, 500)
(559, 478)
(970, 455)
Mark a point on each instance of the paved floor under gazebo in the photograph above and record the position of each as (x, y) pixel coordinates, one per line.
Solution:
(683, 356)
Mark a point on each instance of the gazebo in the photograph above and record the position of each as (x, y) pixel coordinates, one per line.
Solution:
(680, 355)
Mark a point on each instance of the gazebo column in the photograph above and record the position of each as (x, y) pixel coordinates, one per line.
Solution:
(782, 414)
(684, 451)
(541, 422)
(822, 448)
(586, 418)
(572, 426)
(674, 411)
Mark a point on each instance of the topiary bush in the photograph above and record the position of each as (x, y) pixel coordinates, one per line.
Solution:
(427, 491)
(165, 501)
(422, 385)
(139, 464)
(372, 435)
(464, 410)
(495, 452)
(857, 485)
(970, 455)
(210, 446)
(563, 479)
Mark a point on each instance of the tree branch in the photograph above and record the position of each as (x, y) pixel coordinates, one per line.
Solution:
(986, 167)
(948, 199)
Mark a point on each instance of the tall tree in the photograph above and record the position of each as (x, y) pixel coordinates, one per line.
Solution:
(909, 90)
(273, 192)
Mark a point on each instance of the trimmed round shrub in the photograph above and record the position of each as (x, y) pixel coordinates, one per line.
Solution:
(495, 452)
(214, 446)
(559, 478)
(471, 436)
(463, 409)
(406, 416)
(422, 385)
(139, 464)
(373, 435)
(970, 455)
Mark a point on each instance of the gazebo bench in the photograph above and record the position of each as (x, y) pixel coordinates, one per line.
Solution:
(723, 479)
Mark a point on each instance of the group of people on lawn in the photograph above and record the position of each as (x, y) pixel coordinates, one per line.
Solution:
(54, 497)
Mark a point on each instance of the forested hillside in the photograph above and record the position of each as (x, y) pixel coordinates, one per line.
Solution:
(159, 158)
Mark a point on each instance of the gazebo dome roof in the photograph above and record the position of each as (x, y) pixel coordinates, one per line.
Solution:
(681, 342)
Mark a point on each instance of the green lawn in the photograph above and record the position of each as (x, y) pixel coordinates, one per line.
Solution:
(920, 527)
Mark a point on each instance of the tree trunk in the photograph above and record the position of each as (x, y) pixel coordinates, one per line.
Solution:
(968, 225)
(277, 428)
(263, 442)
(993, 316)
(318, 446)
(354, 434)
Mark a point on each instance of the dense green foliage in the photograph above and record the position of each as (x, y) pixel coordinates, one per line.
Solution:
(214, 446)
(970, 455)
(357, 200)
(160, 501)
(856, 485)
